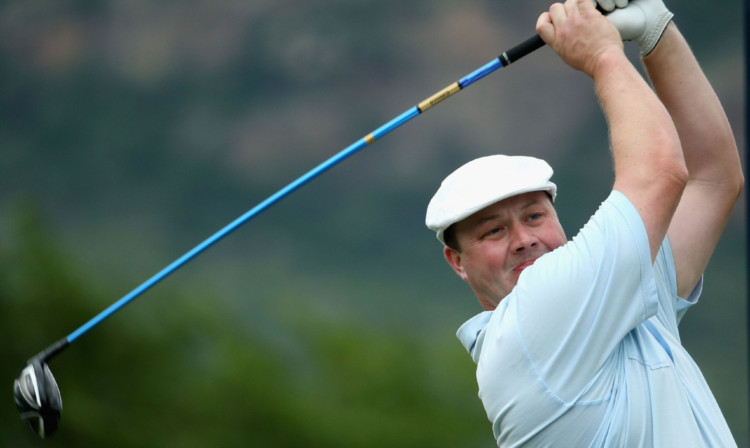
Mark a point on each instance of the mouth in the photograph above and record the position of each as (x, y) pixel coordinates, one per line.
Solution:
(518, 269)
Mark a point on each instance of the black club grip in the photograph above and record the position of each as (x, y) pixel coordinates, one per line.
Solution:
(522, 49)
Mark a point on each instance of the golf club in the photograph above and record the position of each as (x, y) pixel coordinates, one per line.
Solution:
(37, 395)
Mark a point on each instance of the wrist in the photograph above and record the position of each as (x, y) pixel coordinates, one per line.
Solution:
(670, 34)
(654, 33)
(608, 60)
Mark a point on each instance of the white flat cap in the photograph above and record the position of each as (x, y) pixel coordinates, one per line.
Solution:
(482, 182)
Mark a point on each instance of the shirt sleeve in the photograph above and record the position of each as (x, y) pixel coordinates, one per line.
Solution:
(575, 304)
(671, 307)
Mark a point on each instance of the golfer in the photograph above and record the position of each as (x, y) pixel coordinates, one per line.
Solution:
(578, 345)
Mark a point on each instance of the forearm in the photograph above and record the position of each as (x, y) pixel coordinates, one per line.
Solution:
(641, 128)
(707, 140)
(715, 175)
(649, 168)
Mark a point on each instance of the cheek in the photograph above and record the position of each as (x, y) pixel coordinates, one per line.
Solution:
(491, 260)
(553, 237)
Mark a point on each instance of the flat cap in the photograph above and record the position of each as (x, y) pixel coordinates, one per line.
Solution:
(483, 182)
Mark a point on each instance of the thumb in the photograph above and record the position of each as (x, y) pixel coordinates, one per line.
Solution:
(630, 21)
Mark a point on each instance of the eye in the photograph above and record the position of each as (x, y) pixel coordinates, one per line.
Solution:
(493, 232)
(536, 216)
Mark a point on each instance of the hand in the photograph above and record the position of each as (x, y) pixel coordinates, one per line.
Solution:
(610, 5)
(642, 21)
(578, 33)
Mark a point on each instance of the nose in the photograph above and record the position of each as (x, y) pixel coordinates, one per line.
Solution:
(523, 238)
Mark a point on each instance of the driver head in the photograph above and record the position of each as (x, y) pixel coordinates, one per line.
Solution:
(38, 397)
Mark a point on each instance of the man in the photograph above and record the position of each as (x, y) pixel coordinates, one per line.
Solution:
(578, 344)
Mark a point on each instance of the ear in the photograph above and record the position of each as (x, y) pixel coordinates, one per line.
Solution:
(454, 259)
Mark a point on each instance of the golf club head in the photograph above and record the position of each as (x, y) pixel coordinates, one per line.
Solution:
(38, 397)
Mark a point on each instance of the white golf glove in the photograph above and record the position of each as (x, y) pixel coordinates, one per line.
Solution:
(642, 21)
(610, 5)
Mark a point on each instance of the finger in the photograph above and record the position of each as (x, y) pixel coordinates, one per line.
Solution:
(584, 5)
(557, 12)
(621, 3)
(572, 7)
(607, 5)
(545, 28)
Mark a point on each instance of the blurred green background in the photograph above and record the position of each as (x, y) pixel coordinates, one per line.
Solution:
(132, 130)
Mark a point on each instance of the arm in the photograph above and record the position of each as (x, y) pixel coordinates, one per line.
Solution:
(715, 174)
(649, 168)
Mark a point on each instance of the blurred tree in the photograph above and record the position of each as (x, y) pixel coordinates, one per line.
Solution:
(180, 371)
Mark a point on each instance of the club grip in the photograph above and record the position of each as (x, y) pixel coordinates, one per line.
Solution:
(529, 45)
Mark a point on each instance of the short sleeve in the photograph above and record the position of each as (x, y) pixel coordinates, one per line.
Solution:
(671, 307)
(575, 304)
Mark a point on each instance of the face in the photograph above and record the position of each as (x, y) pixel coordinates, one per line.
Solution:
(498, 242)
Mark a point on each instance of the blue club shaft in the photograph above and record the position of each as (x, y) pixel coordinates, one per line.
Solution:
(503, 60)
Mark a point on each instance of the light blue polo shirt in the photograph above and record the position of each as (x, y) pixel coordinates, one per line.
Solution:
(585, 350)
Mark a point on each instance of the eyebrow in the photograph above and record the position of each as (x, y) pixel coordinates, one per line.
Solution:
(485, 219)
(530, 203)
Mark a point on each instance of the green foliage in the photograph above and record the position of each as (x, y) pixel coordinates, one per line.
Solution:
(179, 371)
